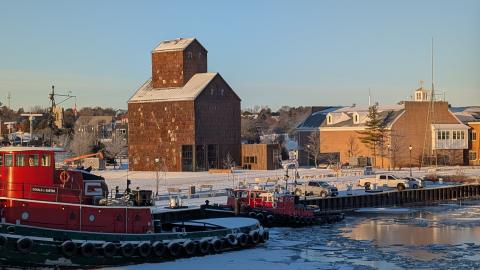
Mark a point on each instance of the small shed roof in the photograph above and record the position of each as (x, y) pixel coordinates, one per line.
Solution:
(146, 93)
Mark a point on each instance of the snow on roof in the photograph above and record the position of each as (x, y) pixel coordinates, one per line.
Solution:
(467, 114)
(146, 93)
(27, 148)
(392, 107)
(178, 44)
(449, 126)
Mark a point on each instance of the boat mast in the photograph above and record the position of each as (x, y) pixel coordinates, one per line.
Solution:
(428, 150)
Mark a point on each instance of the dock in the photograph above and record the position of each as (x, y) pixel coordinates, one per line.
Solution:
(408, 197)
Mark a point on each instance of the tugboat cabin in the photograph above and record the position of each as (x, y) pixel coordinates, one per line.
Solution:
(33, 192)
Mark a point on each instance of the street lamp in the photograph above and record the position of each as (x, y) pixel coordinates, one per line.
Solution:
(410, 149)
(157, 165)
(389, 156)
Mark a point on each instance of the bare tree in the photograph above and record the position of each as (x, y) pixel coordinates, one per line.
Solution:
(116, 147)
(352, 146)
(228, 161)
(313, 146)
(82, 143)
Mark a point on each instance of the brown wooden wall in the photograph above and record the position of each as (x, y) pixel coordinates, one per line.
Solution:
(175, 68)
(158, 129)
(264, 154)
(410, 130)
(217, 119)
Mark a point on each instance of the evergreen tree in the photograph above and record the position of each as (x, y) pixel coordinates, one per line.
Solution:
(375, 134)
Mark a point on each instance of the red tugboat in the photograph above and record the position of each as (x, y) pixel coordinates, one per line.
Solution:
(65, 218)
(276, 209)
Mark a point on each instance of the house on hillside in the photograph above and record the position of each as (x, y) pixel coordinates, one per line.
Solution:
(183, 117)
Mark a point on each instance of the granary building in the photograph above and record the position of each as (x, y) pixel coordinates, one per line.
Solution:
(417, 132)
(183, 118)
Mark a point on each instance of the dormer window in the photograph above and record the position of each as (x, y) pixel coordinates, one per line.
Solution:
(329, 119)
(356, 118)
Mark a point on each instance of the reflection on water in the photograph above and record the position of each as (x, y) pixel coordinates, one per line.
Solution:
(445, 225)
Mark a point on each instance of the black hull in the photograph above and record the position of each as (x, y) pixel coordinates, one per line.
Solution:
(48, 247)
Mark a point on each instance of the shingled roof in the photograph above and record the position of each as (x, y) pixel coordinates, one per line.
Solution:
(319, 119)
(178, 44)
(194, 86)
(467, 114)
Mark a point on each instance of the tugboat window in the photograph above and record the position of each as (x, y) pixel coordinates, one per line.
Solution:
(20, 160)
(45, 160)
(33, 160)
(8, 160)
(91, 218)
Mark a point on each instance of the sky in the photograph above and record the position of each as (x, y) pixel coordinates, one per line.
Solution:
(275, 53)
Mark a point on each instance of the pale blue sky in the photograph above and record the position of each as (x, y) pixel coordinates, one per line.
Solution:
(271, 52)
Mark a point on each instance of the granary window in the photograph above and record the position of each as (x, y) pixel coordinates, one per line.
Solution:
(212, 90)
(222, 91)
(189, 55)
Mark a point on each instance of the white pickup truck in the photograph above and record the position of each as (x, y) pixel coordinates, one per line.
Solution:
(387, 180)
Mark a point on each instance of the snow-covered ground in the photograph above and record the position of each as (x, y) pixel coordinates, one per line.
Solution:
(184, 180)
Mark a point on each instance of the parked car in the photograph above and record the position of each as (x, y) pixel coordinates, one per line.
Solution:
(316, 188)
(415, 182)
(385, 180)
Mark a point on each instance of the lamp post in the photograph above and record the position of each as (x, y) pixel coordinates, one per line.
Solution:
(389, 157)
(410, 160)
(157, 164)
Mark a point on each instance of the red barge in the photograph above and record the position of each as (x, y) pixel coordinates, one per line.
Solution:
(66, 218)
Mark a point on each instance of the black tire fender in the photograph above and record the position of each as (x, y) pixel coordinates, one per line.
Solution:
(24, 244)
(68, 248)
(109, 249)
(127, 249)
(87, 249)
(144, 249)
(175, 249)
(159, 248)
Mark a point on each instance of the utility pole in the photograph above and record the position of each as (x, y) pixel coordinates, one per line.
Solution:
(31, 116)
(9, 97)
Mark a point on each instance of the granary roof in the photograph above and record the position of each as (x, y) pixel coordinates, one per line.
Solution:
(178, 44)
(194, 86)
(467, 114)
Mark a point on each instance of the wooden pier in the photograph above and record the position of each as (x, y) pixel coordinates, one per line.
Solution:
(408, 197)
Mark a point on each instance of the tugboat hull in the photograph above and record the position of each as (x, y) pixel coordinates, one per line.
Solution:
(27, 246)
